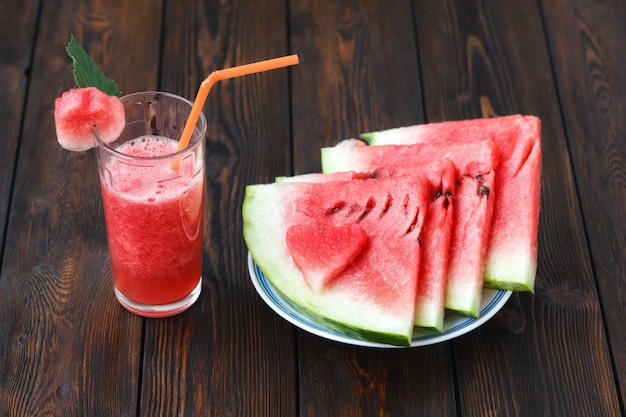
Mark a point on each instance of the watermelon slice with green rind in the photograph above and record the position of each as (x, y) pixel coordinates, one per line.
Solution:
(512, 254)
(374, 297)
(438, 227)
(475, 165)
(436, 236)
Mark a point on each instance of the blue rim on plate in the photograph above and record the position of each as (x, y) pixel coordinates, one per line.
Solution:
(454, 325)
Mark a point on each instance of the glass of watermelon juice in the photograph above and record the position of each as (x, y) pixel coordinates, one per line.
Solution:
(153, 205)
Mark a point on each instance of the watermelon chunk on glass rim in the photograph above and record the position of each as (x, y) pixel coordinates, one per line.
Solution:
(474, 164)
(373, 297)
(512, 254)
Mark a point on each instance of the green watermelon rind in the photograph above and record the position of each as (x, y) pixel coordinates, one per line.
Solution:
(331, 160)
(265, 237)
(346, 329)
(384, 136)
(505, 273)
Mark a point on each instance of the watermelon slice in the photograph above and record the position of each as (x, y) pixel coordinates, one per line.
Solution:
(79, 110)
(512, 254)
(431, 288)
(373, 297)
(438, 227)
(475, 170)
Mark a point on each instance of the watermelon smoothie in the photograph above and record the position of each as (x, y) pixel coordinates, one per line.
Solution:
(153, 205)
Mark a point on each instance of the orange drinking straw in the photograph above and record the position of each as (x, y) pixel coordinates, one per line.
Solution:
(223, 74)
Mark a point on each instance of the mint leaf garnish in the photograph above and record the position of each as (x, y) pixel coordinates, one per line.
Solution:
(87, 73)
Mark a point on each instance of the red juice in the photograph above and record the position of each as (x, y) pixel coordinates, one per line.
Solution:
(154, 226)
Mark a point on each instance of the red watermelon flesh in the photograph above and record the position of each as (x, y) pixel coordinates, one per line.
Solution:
(322, 252)
(475, 164)
(79, 110)
(512, 254)
(373, 298)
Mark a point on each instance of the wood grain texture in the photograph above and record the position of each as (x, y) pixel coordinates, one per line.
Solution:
(352, 79)
(68, 347)
(226, 355)
(590, 67)
(561, 325)
(15, 61)
(340, 380)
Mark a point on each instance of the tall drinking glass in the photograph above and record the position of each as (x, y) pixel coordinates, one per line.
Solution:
(153, 198)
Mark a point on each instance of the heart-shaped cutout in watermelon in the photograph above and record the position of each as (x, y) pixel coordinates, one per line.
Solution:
(323, 251)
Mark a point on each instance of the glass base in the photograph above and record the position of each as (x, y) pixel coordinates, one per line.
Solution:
(160, 310)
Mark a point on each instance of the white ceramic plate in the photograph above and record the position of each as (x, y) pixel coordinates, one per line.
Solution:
(453, 326)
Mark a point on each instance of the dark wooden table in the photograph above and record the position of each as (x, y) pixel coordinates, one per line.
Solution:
(68, 349)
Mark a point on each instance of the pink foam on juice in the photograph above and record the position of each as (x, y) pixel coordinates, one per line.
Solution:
(154, 228)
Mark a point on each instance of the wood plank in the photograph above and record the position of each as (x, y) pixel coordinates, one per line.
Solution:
(359, 71)
(17, 26)
(541, 342)
(590, 66)
(229, 354)
(338, 380)
(68, 348)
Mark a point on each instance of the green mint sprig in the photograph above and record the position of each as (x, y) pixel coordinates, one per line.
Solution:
(87, 73)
